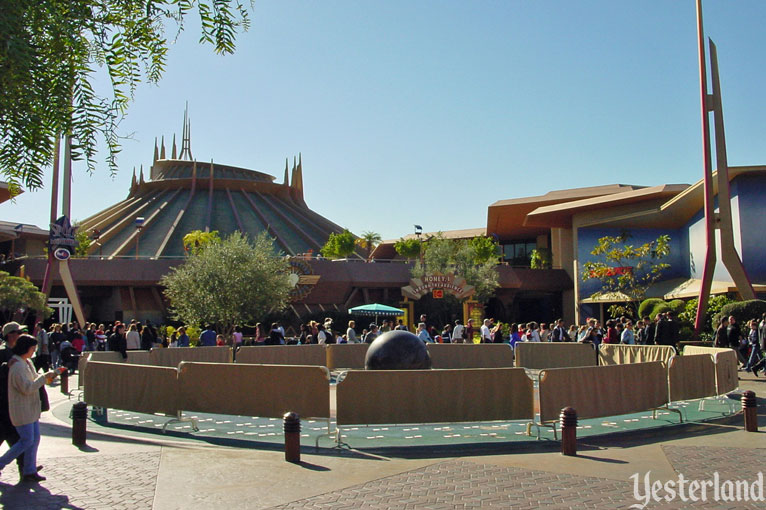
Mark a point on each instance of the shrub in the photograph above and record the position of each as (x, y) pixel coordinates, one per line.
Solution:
(194, 332)
(743, 311)
(714, 305)
(677, 306)
(647, 306)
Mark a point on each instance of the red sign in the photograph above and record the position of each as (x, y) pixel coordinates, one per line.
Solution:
(438, 293)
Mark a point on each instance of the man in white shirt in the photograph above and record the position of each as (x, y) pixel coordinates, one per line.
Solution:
(486, 336)
(458, 332)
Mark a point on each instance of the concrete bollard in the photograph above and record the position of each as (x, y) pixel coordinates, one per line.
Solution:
(568, 421)
(292, 427)
(750, 410)
(79, 420)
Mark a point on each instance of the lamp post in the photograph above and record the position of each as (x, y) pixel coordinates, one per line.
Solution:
(139, 225)
(419, 232)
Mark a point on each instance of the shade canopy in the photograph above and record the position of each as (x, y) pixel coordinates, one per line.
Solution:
(376, 309)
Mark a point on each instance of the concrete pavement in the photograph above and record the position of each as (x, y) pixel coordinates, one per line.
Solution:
(115, 472)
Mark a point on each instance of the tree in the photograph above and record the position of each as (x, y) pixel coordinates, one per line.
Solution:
(339, 246)
(232, 282)
(540, 258)
(83, 242)
(461, 257)
(50, 52)
(19, 297)
(408, 248)
(627, 271)
(485, 248)
(196, 240)
(369, 241)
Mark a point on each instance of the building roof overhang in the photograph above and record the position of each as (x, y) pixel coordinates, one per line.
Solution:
(506, 218)
(633, 203)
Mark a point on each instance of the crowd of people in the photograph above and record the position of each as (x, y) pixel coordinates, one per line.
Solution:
(23, 356)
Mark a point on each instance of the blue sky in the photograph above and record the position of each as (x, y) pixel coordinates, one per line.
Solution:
(426, 112)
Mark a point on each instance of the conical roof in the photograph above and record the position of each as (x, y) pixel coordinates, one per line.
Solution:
(181, 196)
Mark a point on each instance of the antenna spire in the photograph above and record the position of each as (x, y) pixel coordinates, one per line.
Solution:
(186, 136)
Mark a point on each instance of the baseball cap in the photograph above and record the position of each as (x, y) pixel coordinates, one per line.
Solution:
(13, 327)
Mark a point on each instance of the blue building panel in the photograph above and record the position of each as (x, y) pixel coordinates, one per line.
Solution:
(588, 238)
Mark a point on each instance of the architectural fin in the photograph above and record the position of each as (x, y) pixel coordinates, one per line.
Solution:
(156, 151)
(133, 181)
(186, 137)
(141, 175)
(162, 148)
(286, 181)
(174, 153)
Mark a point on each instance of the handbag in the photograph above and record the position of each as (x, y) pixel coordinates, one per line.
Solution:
(45, 404)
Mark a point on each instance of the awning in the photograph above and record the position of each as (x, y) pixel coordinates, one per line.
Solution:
(691, 288)
(676, 288)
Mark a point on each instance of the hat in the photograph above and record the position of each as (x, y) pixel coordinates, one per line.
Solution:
(13, 327)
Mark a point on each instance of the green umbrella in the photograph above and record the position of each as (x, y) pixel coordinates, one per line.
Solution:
(375, 310)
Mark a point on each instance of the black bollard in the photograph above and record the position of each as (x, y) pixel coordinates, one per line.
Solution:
(79, 419)
(568, 420)
(750, 410)
(292, 426)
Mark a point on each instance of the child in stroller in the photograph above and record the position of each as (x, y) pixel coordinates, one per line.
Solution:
(70, 357)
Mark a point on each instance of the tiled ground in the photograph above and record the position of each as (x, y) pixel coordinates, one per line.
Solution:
(457, 485)
(97, 482)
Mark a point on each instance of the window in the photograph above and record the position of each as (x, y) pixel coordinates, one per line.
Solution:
(518, 253)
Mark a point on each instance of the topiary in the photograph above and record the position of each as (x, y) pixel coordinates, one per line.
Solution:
(743, 311)
(677, 306)
(647, 306)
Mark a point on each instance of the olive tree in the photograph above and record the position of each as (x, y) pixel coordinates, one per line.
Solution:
(229, 283)
(476, 261)
(19, 298)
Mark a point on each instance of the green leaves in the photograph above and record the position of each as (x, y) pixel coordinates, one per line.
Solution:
(234, 281)
(339, 246)
(18, 295)
(463, 257)
(49, 51)
(625, 269)
(408, 248)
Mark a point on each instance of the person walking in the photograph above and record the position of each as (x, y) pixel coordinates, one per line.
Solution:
(24, 407)
(43, 357)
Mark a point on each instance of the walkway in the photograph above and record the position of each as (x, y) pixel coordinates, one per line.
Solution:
(148, 472)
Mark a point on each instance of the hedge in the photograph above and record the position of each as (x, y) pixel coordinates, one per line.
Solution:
(743, 311)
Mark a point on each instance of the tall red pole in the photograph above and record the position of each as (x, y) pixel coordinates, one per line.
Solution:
(710, 257)
(48, 278)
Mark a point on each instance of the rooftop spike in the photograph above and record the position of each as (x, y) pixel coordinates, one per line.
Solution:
(133, 181)
(156, 151)
(141, 175)
(175, 153)
(186, 136)
(162, 148)
(287, 181)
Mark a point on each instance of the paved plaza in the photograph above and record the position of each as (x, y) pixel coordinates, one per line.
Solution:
(120, 469)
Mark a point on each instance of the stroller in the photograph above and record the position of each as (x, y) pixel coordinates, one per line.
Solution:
(69, 357)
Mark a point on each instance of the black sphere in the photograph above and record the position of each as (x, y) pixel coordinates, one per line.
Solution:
(397, 350)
